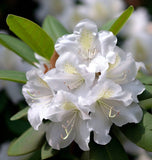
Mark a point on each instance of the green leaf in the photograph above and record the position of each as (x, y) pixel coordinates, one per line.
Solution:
(54, 28)
(108, 25)
(146, 104)
(18, 47)
(116, 24)
(31, 34)
(14, 76)
(145, 79)
(17, 127)
(149, 88)
(111, 151)
(35, 156)
(46, 151)
(28, 142)
(20, 114)
(141, 133)
(145, 95)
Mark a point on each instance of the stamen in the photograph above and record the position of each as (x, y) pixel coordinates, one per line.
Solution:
(86, 39)
(74, 84)
(41, 81)
(88, 54)
(109, 108)
(68, 128)
(36, 97)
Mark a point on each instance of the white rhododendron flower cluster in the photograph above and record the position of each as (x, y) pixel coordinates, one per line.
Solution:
(92, 86)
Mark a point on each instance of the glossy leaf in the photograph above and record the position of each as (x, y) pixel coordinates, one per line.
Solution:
(149, 88)
(111, 151)
(116, 24)
(35, 156)
(145, 95)
(20, 114)
(31, 34)
(141, 133)
(28, 142)
(146, 104)
(18, 47)
(17, 127)
(46, 151)
(145, 79)
(54, 28)
(108, 25)
(14, 76)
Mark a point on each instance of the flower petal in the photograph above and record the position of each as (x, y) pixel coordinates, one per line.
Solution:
(87, 24)
(108, 42)
(34, 117)
(130, 114)
(134, 88)
(82, 136)
(124, 69)
(54, 136)
(100, 124)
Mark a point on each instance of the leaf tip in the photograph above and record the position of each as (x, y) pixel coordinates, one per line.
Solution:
(131, 8)
(12, 118)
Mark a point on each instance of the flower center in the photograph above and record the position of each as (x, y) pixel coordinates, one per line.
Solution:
(105, 94)
(117, 61)
(75, 80)
(86, 40)
(69, 106)
(70, 69)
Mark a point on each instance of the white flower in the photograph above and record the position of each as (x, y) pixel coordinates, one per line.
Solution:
(38, 95)
(110, 104)
(10, 61)
(69, 122)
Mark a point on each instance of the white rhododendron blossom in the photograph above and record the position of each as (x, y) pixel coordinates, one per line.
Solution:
(92, 86)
